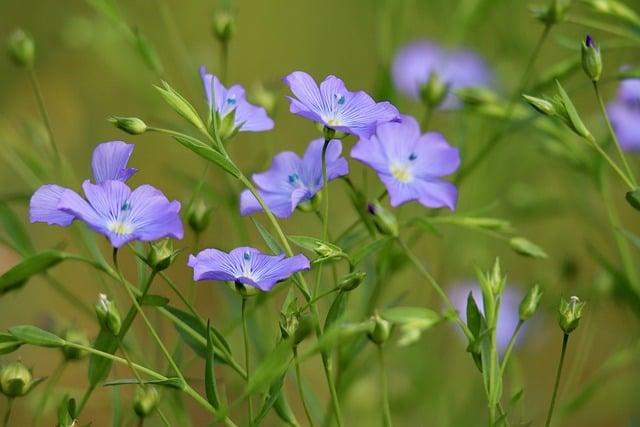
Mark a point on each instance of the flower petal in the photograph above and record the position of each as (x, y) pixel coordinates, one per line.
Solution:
(152, 215)
(306, 90)
(434, 157)
(269, 270)
(43, 206)
(212, 264)
(109, 161)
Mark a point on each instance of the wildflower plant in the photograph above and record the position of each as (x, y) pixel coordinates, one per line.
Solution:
(311, 299)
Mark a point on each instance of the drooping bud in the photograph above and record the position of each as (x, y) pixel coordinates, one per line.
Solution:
(161, 254)
(351, 280)
(380, 330)
(131, 125)
(591, 59)
(529, 303)
(434, 91)
(198, 216)
(15, 380)
(21, 48)
(569, 313)
(75, 336)
(108, 314)
(265, 98)
(145, 401)
(223, 26)
(385, 221)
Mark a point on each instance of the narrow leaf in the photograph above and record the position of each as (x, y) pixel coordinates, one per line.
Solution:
(36, 336)
(18, 275)
(174, 382)
(210, 385)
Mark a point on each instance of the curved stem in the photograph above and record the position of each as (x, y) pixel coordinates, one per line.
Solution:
(7, 413)
(245, 337)
(613, 164)
(300, 388)
(565, 340)
(43, 112)
(603, 110)
(507, 353)
(386, 410)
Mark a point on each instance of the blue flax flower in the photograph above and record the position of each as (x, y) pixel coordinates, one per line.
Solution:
(624, 113)
(246, 265)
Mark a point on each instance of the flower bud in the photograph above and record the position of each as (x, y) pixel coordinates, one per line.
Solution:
(542, 105)
(131, 125)
(15, 380)
(553, 13)
(223, 26)
(633, 198)
(108, 314)
(476, 96)
(434, 91)
(569, 313)
(529, 303)
(385, 221)
(304, 328)
(145, 401)
(351, 281)
(380, 330)
(245, 291)
(591, 59)
(265, 98)
(74, 336)
(21, 48)
(161, 254)
(198, 216)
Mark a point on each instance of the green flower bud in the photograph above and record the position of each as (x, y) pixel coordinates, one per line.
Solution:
(198, 216)
(21, 48)
(477, 96)
(384, 220)
(303, 329)
(245, 291)
(227, 125)
(351, 281)
(633, 198)
(553, 13)
(311, 205)
(145, 401)
(131, 125)
(77, 337)
(380, 330)
(15, 380)
(591, 59)
(529, 303)
(434, 91)
(223, 26)
(543, 106)
(569, 313)
(265, 98)
(161, 254)
(108, 314)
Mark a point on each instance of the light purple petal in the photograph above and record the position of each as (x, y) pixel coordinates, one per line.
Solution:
(71, 203)
(109, 161)
(312, 162)
(625, 120)
(413, 64)
(251, 118)
(437, 194)
(152, 216)
(207, 82)
(212, 264)
(277, 179)
(269, 270)
(434, 157)
(306, 90)
(43, 206)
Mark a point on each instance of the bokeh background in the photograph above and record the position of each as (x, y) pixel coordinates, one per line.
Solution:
(89, 70)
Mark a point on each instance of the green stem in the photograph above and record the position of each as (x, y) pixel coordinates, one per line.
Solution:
(224, 62)
(43, 112)
(423, 270)
(426, 119)
(7, 414)
(300, 388)
(325, 187)
(565, 340)
(245, 337)
(386, 410)
(53, 380)
(507, 353)
(603, 110)
(609, 160)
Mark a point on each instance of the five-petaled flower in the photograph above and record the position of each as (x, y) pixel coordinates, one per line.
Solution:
(410, 164)
(624, 113)
(335, 107)
(293, 180)
(247, 266)
(231, 109)
(416, 62)
(111, 207)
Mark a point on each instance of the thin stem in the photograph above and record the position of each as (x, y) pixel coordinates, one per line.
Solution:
(325, 186)
(609, 160)
(53, 380)
(386, 410)
(7, 413)
(224, 61)
(423, 270)
(300, 388)
(565, 340)
(245, 337)
(43, 112)
(426, 119)
(512, 341)
(603, 110)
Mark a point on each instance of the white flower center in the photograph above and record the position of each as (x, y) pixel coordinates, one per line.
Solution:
(119, 227)
(402, 172)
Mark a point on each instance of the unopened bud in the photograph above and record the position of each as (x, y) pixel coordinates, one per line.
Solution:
(633, 198)
(245, 291)
(21, 48)
(198, 216)
(131, 125)
(351, 281)
(530, 302)
(108, 314)
(161, 254)
(223, 26)
(75, 336)
(591, 59)
(543, 106)
(380, 330)
(15, 380)
(553, 13)
(434, 91)
(569, 313)
(145, 401)
(384, 220)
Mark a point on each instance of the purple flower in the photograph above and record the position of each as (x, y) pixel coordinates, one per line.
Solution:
(293, 180)
(110, 208)
(410, 164)
(624, 113)
(508, 316)
(246, 117)
(246, 265)
(335, 107)
(414, 64)
(109, 162)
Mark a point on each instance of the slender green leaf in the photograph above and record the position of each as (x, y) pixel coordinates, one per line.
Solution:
(35, 336)
(154, 300)
(527, 248)
(9, 343)
(210, 385)
(363, 252)
(272, 366)
(15, 231)
(208, 153)
(18, 275)
(174, 382)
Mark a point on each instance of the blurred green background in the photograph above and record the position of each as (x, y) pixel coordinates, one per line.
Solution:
(89, 70)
